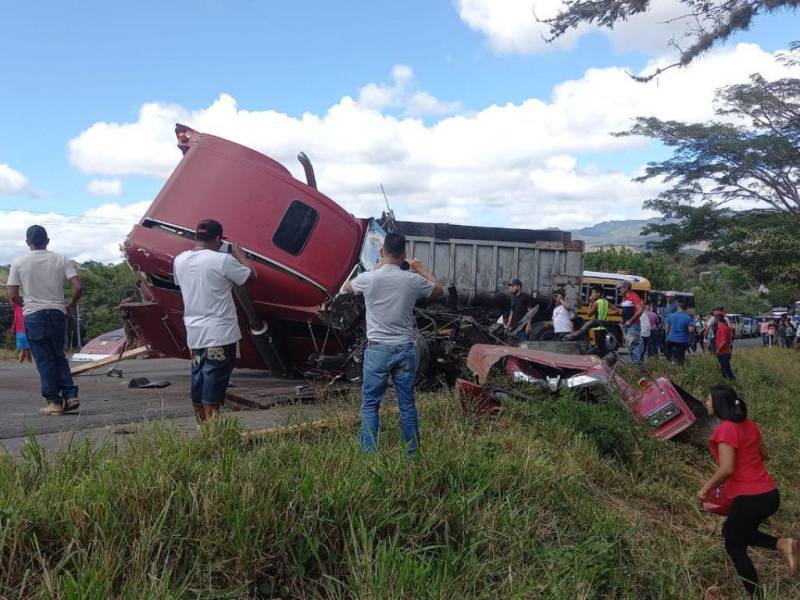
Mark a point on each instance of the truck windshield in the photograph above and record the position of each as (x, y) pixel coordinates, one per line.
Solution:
(371, 249)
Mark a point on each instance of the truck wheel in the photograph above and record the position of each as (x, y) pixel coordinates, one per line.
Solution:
(613, 338)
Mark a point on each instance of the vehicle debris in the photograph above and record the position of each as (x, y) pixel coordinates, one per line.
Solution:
(145, 383)
(305, 247)
(663, 407)
(111, 360)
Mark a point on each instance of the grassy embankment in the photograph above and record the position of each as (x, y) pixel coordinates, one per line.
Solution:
(559, 500)
(8, 354)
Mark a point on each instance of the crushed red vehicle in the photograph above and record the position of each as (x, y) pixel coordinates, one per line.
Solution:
(665, 408)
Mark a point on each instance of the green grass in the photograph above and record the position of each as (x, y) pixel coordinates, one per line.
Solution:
(538, 503)
(7, 354)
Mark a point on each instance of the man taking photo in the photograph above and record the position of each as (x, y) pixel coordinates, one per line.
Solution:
(41, 274)
(390, 293)
(206, 277)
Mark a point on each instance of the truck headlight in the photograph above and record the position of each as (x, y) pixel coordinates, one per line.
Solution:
(662, 414)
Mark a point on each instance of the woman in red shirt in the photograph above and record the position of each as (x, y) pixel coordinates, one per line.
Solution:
(739, 452)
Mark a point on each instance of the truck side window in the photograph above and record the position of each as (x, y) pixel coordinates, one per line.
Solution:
(295, 228)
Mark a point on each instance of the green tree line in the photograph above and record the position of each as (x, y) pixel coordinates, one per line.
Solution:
(713, 284)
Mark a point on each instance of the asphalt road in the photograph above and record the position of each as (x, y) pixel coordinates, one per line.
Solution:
(108, 406)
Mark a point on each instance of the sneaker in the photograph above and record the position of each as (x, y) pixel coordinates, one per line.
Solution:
(52, 409)
(71, 404)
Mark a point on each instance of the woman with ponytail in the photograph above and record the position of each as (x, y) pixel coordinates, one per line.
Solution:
(739, 452)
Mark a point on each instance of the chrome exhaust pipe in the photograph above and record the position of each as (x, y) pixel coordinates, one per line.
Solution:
(310, 178)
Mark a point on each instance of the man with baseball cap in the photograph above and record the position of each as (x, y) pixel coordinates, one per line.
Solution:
(206, 277)
(520, 304)
(632, 308)
(41, 275)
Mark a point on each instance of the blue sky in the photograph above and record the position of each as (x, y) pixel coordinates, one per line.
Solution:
(67, 66)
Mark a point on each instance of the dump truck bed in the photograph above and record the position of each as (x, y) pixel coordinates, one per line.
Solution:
(480, 261)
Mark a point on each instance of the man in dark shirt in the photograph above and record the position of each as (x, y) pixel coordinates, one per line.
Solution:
(521, 303)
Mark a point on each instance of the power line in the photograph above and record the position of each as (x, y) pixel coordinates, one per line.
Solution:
(69, 218)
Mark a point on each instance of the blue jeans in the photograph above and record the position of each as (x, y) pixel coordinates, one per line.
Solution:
(633, 337)
(380, 361)
(46, 332)
(653, 342)
(211, 372)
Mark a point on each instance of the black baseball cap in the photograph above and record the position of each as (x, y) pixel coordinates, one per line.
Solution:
(36, 235)
(208, 229)
(515, 281)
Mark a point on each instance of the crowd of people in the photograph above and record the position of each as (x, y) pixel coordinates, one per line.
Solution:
(676, 331)
(670, 330)
(780, 332)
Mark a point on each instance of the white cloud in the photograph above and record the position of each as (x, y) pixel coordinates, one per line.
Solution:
(11, 181)
(512, 164)
(93, 235)
(401, 94)
(105, 187)
(515, 26)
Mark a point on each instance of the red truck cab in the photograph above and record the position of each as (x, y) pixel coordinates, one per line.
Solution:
(302, 244)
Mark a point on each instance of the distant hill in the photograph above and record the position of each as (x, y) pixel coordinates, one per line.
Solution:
(616, 233)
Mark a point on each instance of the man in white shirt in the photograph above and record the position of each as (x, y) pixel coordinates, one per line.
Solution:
(390, 293)
(562, 316)
(41, 274)
(206, 277)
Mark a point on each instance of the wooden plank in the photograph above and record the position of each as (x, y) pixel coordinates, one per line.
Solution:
(300, 427)
(110, 360)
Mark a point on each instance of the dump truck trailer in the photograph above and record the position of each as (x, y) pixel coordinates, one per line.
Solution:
(478, 262)
(305, 247)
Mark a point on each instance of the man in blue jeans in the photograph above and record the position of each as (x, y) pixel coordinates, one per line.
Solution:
(390, 293)
(41, 275)
(632, 308)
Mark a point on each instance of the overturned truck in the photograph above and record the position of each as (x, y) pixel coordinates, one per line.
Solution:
(305, 247)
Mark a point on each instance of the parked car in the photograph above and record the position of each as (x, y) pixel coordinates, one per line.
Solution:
(735, 320)
(105, 345)
(748, 327)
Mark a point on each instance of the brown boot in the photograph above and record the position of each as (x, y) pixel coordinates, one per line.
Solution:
(52, 409)
(790, 548)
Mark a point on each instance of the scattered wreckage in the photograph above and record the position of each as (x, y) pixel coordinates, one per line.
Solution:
(665, 408)
(305, 247)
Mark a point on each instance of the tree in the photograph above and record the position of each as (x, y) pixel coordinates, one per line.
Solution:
(660, 269)
(734, 183)
(712, 21)
(104, 287)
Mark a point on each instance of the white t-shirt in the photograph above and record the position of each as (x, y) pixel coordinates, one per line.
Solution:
(41, 274)
(562, 320)
(206, 278)
(390, 294)
(644, 323)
